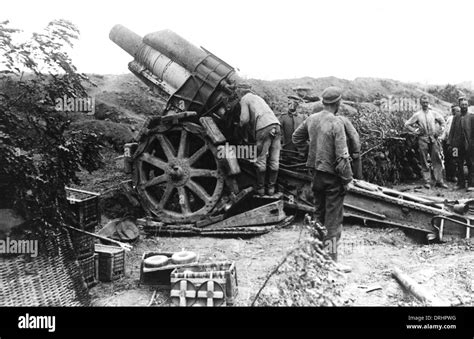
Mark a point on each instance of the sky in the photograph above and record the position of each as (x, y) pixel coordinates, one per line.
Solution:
(415, 41)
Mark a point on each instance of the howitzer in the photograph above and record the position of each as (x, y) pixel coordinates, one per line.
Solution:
(182, 177)
(177, 167)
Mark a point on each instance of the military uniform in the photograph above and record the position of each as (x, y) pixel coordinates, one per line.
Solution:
(449, 160)
(428, 143)
(289, 123)
(461, 137)
(329, 157)
(256, 113)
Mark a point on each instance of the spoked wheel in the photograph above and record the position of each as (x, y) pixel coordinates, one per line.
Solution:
(177, 176)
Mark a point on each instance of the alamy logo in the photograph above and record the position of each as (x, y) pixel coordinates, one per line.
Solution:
(345, 247)
(228, 151)
(399, 104)
(37, 322)
(72, 104)
(25, 246)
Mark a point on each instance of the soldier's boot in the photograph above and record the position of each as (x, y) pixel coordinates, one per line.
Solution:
(272, 178)
(341, 267)
(260, 188)
(332, 252)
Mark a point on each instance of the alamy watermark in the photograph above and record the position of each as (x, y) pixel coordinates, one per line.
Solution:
(73, 104)
(346, 247)
(399, 104)
(28, 321)
(24, 246)
(228, 151)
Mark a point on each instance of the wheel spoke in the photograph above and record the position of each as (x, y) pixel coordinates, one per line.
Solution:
(198, 172)
(165, 197)
(197, 155)
(182, 143)
(198, 190)
(167, 147)
(183, 200)
(156, 180)
(152, 160)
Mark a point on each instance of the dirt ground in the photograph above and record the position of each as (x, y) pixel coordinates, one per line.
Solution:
(447, 269)
(444, 269)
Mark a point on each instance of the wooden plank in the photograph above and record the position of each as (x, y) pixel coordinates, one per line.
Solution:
(212, 130)
(416, 289)
(82, 191)
(361, 210)
(126, 247)
(174, 117)
(210, 220)
(231, 164)
(383, 222)
(267, 214)
(300, 207)
(242, 194)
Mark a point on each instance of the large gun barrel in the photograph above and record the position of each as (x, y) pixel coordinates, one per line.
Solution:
(168, 74)
(190, 78)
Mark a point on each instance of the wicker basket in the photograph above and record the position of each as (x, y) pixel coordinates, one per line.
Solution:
(223, 273)
(85, 206)
(53, 278)
(111, 262)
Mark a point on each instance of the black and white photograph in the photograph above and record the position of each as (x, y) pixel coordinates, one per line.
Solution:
(253, 156)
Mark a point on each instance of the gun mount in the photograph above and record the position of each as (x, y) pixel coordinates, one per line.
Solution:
(176, 168)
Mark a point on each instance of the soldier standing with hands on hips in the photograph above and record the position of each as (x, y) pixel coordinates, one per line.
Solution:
(429, 146)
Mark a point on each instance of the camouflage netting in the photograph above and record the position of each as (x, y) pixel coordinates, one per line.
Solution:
(391, 154)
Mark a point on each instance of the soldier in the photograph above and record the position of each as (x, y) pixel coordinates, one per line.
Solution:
(428, 142)
(353, 140)
(449, 160)
(461, 138)
(290, 121)
(329, 157)
(265, 128)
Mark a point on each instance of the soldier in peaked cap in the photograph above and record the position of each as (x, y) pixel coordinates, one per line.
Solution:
(461, 139)
(329, 157)
(290, 121)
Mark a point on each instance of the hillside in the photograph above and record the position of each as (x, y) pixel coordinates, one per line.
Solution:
(123, 103)
(128, 92)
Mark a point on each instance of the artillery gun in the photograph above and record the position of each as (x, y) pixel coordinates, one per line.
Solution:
(177, 170)
(182, 177)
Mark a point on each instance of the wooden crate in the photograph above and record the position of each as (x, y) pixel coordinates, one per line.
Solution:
(183, 293)
(111, 262)
(85, 206)
(222, 274)
(159, 277)
(89, 267)
(83, 244)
